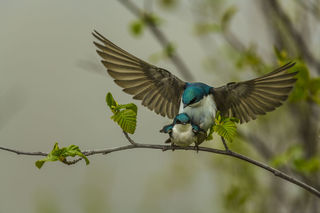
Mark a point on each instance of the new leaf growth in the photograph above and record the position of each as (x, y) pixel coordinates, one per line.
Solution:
(123, 114)
(61, 154)
(224, 126)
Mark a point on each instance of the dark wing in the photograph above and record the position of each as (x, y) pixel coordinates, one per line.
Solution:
(245, 100)
(158, 89)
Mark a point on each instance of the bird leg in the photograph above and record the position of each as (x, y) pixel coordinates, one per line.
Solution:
(173, 147)
(196, 147)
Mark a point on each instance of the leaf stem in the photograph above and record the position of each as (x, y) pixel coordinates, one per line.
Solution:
(225, 144)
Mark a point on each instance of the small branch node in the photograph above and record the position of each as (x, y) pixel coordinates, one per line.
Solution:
(71, 162)
(129, 139)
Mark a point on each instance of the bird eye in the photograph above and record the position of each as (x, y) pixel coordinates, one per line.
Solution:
(193, 100)
(178, 122)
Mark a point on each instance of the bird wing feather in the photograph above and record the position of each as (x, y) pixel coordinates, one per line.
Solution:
(245, 100)
(158, 89)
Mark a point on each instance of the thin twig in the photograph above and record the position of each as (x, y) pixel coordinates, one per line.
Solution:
(175, 58)
(129, 139)
(225, 144)
(24, 153)
(227, 152)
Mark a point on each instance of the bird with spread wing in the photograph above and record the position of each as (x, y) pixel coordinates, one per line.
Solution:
(167, 95)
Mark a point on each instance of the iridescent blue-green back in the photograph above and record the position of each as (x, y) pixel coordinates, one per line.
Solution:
(195, 91)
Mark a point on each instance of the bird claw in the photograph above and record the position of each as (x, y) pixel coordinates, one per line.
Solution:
(196, 147)
(173, 147)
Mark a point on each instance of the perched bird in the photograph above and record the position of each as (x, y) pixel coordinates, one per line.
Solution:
(184, 132)
(167, 95)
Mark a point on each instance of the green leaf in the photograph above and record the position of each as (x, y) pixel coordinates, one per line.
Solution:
(314, 85)
(293, 152)
(168, 4)
(314, 89)
(294, 157)
(204, 28)
(249, 57)
(73, 151)
(305, 88)
(307, 166)
(131, 106)
(61, 154)
(123, 114)
(236, 197)
(152, 19)
(111, 102)
(39, 163)
(300, 91)
(169, 50)
(282, 55)
(227, 16)
(137, 27)
(235, 120)
(126, 120)
(225, 127)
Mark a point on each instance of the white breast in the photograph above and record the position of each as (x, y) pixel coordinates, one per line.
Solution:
(201, 113)
(182, 135)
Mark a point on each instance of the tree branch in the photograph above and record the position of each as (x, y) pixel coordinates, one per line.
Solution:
(228, 152)
(24, 153)
(175, 58)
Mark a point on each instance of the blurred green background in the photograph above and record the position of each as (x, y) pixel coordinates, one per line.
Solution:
(53, 87)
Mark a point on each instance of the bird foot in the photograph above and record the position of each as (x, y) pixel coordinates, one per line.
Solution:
(173, 147)
(196, 148)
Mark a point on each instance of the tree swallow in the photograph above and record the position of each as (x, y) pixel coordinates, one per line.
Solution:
(167, 95)
(184, 132)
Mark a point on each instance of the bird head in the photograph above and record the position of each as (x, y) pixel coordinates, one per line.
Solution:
(192, 95)
(182, 118)
(167, 129)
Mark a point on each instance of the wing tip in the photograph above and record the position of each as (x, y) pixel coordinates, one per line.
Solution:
(100, 37)
(97, 35)
(282, 68)
(288, 65)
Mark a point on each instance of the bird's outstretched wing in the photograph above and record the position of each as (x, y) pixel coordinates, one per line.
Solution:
(245, 100)
(158, 89)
